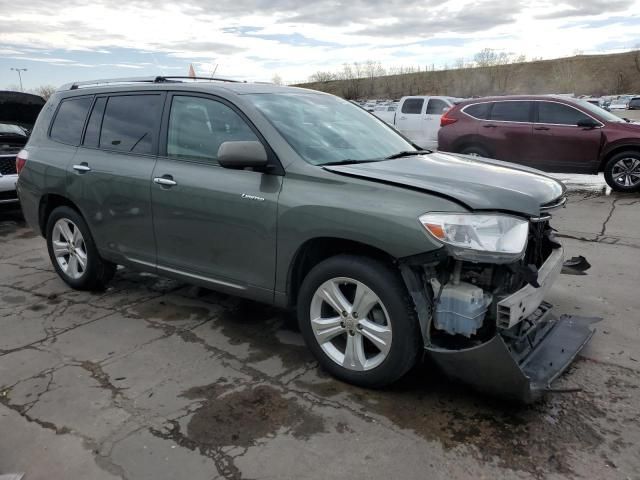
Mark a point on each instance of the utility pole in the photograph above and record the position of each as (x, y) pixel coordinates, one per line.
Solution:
(19, 75)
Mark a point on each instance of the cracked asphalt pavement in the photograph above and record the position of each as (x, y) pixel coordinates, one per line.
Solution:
(155, 379)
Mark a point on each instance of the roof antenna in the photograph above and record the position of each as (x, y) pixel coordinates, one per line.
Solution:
(214, 71)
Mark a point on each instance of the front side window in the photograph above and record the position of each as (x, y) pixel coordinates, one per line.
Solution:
(514, 111)
(559, 114)
(198, 126)
(69, 122)
(412, 105)
(130, 122)
(436, 106)
(323, 129)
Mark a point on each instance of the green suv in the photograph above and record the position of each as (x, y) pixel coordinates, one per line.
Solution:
(303, 200)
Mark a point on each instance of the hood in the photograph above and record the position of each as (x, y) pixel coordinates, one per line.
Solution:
(478, 184)
(19, 108)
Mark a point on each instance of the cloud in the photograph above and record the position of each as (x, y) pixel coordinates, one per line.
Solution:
(583, 8)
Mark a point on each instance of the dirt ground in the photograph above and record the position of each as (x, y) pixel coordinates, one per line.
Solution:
(154, 379)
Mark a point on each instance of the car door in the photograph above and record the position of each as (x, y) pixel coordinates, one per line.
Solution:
(431, 122)
(409, 119)
(213, 225)
(507, 133)
(561, 145)
(110, 175)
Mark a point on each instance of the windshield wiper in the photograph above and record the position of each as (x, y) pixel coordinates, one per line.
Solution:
(407, 153)
(347, 162)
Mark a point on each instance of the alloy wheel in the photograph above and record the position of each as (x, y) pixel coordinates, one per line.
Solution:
(69, 248)
(626, 172)
(351, 324)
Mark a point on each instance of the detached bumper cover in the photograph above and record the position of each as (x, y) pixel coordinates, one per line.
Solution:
(521, 369)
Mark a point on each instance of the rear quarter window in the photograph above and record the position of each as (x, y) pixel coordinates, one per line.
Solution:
(69, 120)
(478, 110)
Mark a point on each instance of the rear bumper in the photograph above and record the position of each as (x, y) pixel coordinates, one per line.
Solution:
(520, 367)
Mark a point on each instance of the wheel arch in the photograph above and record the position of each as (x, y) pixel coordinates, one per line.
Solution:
(616, 150)
(315, 250)
(48, 203)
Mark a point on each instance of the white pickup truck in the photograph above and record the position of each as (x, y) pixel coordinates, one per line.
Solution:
(418, 118)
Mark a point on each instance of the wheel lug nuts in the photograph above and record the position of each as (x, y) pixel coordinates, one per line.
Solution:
(359, 327)
(342, 324)
(355, 314)
(344, 313)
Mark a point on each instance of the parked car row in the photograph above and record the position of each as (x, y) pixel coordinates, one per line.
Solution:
(554, 134)
(385, 250)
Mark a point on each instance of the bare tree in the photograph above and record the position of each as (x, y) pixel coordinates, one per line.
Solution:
(321, 77)
(636, 59)
(276, 79)
(45, 91)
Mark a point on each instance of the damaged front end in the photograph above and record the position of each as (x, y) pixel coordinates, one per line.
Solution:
(484, 320)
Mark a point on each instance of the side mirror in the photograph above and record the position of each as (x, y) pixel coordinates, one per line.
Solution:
(242, 155)
(588, 123)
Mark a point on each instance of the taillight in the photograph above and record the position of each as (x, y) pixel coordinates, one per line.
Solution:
(446, 119)
(21, 160)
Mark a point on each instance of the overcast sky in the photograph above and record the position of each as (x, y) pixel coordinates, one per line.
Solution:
(254, 39)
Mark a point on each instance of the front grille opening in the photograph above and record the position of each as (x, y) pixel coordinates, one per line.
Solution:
(8, 166)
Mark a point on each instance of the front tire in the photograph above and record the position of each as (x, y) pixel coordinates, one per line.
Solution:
(622, 172)
(358, 320)
(73, 252)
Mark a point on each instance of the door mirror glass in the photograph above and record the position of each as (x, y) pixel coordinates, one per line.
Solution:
(242, 154)
(587, 123)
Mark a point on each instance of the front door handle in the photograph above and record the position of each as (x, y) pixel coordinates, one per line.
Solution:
(403, 118)
(165, 181)
(541, 128)
(490, 125)
(82, 167)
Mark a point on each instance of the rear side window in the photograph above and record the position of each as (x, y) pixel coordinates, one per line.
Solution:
(92, 135)
(69, 122)
(412, 105)
(559, 114)
(479, 110)
(130, 122)
(198, 126)
(514, 111)
(436, 106)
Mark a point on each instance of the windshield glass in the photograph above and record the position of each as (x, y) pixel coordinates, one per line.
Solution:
(324, 128)
(9, 129)
(601, 112)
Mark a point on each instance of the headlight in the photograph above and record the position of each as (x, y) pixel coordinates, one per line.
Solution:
(492, 238)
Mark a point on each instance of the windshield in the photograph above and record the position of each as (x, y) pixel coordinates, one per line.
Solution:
(325, 129)
(601, 112)
(9, 129)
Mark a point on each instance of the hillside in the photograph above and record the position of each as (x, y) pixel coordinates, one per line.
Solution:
(582, 74)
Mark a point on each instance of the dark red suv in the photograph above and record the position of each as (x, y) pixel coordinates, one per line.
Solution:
(554, 134)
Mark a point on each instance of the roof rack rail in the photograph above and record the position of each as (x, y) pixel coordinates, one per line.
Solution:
(154, 79)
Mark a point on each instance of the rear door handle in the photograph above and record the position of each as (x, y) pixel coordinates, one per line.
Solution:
(82, 167)
(541, 128)
(166, 181)
(489, 126)
(403, 118)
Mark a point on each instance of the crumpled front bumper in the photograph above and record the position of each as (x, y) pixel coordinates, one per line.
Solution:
(521, 369)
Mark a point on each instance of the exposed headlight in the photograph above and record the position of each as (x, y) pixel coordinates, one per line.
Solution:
(492, 238)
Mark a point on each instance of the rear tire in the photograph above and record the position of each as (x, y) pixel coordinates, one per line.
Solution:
(622, 171)
(475, 151)
(373, 348)
(73, 252)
